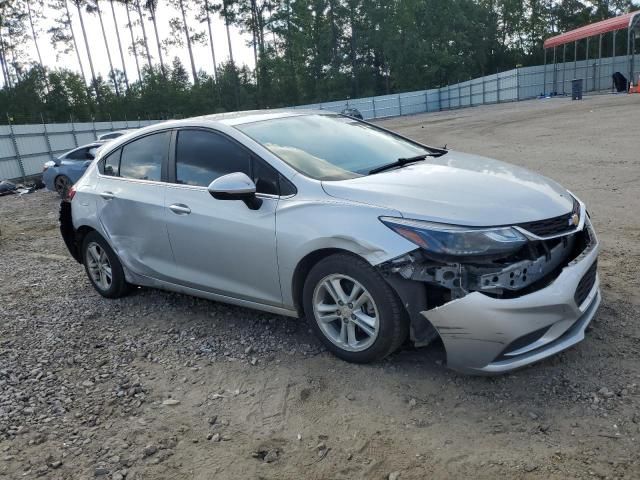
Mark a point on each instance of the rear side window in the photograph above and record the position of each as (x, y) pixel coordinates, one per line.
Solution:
(80, 154)
(203, 156)
(142, 159)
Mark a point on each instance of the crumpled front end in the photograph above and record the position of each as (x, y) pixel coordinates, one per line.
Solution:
(496, 315)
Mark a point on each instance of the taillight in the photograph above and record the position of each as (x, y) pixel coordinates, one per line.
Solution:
(71, 193)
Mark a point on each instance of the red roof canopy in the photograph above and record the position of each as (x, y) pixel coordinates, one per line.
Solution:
(611, 24)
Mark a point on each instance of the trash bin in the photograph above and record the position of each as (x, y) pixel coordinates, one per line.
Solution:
(576, 89)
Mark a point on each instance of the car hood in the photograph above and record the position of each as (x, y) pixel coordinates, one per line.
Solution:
(460, 189)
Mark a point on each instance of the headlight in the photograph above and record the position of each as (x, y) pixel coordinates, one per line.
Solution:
(453, 240)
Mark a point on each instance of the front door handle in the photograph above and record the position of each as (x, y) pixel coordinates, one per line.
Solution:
(180, 209)
(108, 195)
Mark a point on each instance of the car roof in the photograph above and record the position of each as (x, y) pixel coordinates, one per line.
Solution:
(121, 132)
(88, 145)
(230, 119)
(250, 116)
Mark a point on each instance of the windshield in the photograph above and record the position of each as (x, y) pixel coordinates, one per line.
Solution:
(329, 147)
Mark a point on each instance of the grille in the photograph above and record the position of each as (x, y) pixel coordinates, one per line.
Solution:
(553, 226)
(586, 284)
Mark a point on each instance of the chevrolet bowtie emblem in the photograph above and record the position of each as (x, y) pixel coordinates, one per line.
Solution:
(574, 220)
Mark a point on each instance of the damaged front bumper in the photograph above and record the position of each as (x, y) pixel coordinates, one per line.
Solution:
(486, 333)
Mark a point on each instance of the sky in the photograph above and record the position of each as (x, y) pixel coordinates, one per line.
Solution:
(52, 58)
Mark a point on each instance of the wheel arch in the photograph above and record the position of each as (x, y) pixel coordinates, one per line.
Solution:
(304, 267)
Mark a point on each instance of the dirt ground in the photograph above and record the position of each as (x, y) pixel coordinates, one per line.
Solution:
(164, 386)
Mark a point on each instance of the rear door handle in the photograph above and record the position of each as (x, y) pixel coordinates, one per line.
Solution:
(180, 209)
(108, 195)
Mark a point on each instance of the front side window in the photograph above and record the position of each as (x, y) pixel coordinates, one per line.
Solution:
(110, 166)
(330, 147)
(142, 159)
(203, 156)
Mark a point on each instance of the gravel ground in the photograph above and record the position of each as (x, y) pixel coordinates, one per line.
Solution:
(164, 386)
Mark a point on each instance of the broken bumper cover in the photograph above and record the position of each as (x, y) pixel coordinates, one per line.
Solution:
(486, 335)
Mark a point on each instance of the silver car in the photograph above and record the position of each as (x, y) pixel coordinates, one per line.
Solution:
(376, 239)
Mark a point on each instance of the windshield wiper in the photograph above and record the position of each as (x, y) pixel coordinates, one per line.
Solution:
(401, 162)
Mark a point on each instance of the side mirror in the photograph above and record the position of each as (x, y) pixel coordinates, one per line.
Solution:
(235, 186)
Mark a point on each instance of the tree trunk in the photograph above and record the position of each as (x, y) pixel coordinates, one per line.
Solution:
(213, 53)
(75, 44)
(124, 68)
(5, 68)
(254, 21)
(86, 44)
(133, 40)
(186, 32)
(35, 37)
(152, 10)
(15, 64)
(226, 22)
(353, 52)
(334, 34)
(233, 65)
(144, 33)
(106, 45)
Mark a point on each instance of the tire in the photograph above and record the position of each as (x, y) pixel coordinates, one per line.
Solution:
(391, 324)
(62, 183)
(93, 247)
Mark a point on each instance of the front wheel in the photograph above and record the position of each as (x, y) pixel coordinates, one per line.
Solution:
(353, 310)
(103, 267)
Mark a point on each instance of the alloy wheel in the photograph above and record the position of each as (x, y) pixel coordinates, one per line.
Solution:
(99, 266)
(346, 312)
(62, 184)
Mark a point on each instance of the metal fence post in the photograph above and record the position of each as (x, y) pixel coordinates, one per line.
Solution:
(544, 75)
(575, 60)
(439, 99)
(46, 137)
(555, 73)
(517, 84)
(73, 131)
(564, 68)
(111, 122)
(599, 62)
(426, 100)
(498, 86)
(373, 101)
(613, 59)
(586, 68)
(16, 149)
(400, 104)
(459, 95)
(93, 123)
(484, 89)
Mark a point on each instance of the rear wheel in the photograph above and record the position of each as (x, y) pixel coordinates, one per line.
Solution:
(62, 183)
(103, 267)
(353, 309)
